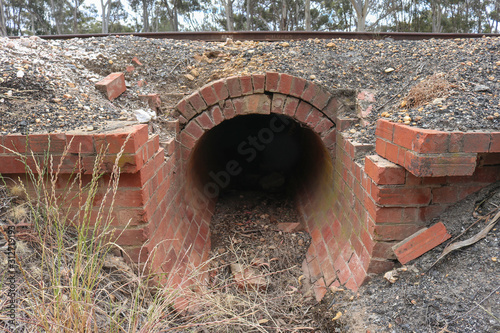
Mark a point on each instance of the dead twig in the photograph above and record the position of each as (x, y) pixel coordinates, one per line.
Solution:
(458, 245)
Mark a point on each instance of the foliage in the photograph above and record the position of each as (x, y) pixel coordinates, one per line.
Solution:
(28, 17)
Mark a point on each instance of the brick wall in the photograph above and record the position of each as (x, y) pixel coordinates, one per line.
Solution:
(354, 206)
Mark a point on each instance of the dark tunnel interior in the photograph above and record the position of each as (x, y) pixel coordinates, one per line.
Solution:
(271, 153)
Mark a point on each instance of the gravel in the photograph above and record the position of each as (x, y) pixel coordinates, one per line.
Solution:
(48, 86)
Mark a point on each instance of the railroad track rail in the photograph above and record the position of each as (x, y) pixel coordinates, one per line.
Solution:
(279, 35)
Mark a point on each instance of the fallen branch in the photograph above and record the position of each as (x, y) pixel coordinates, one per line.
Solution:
(458, 245)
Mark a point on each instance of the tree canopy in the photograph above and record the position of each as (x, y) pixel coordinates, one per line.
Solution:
(41, 17)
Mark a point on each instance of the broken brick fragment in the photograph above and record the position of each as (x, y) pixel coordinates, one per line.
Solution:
(153, 100)
(136, 61)
(420, 242)
(112, 85)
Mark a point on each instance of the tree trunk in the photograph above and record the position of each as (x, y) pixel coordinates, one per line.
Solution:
(436, 16)
(104, 16)
(284, 10)
(228, 6)
(145, 16)
(361, 13)
(75, 17)
(3, 28)
(249, 17)
(55, 16)
(307, 15)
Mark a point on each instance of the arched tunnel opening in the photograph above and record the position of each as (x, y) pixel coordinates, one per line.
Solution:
(264, 172)
(268, 153)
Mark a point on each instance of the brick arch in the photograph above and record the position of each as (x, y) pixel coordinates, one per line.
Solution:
(305, 102)
(272, 93)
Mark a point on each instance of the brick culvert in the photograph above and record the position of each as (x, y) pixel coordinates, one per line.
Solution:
(357, 197)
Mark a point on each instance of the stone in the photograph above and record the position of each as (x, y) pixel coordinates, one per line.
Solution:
(481, 88)
(389, 70)
(189, 77)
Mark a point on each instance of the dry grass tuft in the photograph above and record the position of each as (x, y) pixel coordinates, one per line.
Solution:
(427, 90)
(17, 191)
(18, 213)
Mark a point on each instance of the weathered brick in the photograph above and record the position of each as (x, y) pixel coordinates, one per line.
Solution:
(185, 109)
(385, 129)
(290, 106)
(220, 89)
(394, 231)
(194, 130)
(323, 126)
(285, 84)
(197, 102)
(313, 118)
(396, 196)
(272, 81)
(209, 95)
(153, 100)
(439, 165)
(112, 85)
(229, 111)
(217, 115)
(278, 103)
(303, 111)
(246, 85)
(383, 171)
(259, 82)
(476, 142)
(256, 103)
(421, 242)
(205, 121)
(379, 266)
(456, 144)
(495, 142)
(321, 98)
(233, 86)
(331, 109)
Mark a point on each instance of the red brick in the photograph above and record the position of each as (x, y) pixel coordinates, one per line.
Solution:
(194, 130)
(446, 194)
(383, 250)
(303, 111)
(298, 86)
(495, 142)
(246, 85)
(476, 142)
(392, 152)
(385, 129)
(321, 98)
(440, 164)
(357, 270)
(389, 232)
(229, 110)
(285, 84)
(115, 140)
(272, 81)
(310, 92)
(131, 237)
(313, 118)
(456, 144)
(220, 89)
(233, 86)
(197, 102)
(256, 103)
(259, 82)
(153, 100)
(378, 266)
(209, 95)
(136, 61)
(112, 85)
(205, 121)
(429, 141)
(185, 109)
(217, 115)
(330, 138)
(401, 196)
(421, 242)
(278, 103)
(384, 172)
(290, 106)
(323, 126)
(331, 109)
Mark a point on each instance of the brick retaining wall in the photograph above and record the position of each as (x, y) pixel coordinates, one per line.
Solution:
(355, 207)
